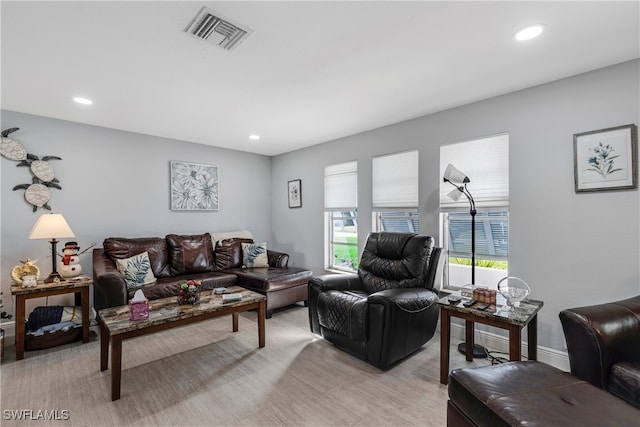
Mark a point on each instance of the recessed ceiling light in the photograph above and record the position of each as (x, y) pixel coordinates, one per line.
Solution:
(254, 137)
(529, 33)
(81, 100)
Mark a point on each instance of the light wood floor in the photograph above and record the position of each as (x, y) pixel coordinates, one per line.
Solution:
(205, 375)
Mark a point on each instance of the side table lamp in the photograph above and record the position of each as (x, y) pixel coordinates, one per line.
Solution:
(51, 226)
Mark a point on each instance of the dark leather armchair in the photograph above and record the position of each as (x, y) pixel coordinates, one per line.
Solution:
(603, 342)
(388, 310)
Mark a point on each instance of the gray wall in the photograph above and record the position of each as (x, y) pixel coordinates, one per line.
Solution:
(573, 249)
(116, 183)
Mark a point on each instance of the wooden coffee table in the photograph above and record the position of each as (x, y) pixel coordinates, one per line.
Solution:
(166, 313)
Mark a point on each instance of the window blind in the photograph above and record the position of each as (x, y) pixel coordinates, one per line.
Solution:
(395, 180)
(341, 186)
(486, 162)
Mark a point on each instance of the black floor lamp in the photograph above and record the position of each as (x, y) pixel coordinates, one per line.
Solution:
(459, 180)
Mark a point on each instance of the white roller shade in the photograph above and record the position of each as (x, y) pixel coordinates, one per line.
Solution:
(341, 186)
(486, 163)
(395, 181)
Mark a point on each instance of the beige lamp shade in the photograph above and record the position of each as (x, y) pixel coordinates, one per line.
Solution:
(51, 226)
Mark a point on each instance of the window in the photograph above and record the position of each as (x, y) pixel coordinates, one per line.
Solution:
(341, 229)
(398, 221)
(395, 192)
(486, 163)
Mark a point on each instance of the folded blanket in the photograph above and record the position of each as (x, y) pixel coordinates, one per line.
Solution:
(62, 326)
(219, 237)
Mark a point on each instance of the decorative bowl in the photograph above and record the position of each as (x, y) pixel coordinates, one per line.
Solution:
(514, 290)
(189, 292)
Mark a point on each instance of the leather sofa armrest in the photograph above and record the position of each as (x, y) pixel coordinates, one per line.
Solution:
(277, 259)
(109, 287)
(599, 336)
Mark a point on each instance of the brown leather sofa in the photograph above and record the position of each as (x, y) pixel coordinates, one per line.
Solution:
(177, 258)
(531, 393)
(603, 342)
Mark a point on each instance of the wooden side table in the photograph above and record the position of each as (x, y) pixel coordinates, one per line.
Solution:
(45, 290)
(511, 320)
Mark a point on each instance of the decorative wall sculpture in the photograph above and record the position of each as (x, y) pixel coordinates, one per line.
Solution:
(37, 192)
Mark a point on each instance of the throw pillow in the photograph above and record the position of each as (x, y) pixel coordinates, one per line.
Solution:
(254, 255)
(190, 254)
(136, 270)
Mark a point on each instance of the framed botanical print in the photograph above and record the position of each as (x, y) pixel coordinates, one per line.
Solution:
(295, 193)
(605, 159)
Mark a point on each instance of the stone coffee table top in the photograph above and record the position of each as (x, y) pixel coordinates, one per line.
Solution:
(166, 310)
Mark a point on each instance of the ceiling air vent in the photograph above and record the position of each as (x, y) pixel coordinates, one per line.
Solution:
(211, 26)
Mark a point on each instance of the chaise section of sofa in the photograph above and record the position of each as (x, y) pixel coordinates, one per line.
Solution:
(176, 258)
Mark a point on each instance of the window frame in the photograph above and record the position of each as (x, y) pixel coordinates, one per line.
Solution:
(330, 217)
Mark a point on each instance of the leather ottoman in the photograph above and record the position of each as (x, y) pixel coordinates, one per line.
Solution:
(281, 286)
(532, 394)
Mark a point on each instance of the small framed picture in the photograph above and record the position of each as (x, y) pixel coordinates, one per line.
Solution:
(605, 159)
(295, 193)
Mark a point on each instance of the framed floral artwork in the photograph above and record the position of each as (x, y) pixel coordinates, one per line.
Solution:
(194, 187)
(295, 193)
(605, 159)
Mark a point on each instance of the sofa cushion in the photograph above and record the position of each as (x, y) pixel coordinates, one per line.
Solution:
(254, 255)
(190, 254)
(229, 253)
(624, 382)
(156, 247)
(136, 270)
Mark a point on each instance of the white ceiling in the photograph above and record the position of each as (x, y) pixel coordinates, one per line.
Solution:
(310, 72)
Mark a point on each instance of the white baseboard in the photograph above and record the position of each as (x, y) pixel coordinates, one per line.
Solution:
(495, 342)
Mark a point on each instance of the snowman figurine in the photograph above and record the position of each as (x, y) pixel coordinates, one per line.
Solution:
(70, 266)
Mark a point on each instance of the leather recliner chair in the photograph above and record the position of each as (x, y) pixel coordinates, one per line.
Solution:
(387, 310)
(603, 342)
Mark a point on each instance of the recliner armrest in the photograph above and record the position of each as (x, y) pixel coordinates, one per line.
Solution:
(406, 299)
(328, 282)
(601, 335)
(337, 282)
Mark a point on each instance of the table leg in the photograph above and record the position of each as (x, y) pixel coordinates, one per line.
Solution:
(116, 366)
(532, 337)
(445, 342)
(468, 332)
(104, 347)
(514, 343)
(235, 316)
(20, 302)
(261, 315)
(85, 314)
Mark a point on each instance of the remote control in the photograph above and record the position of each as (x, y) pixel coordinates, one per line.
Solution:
(469, 303)
(483, 306)
(454, 299)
